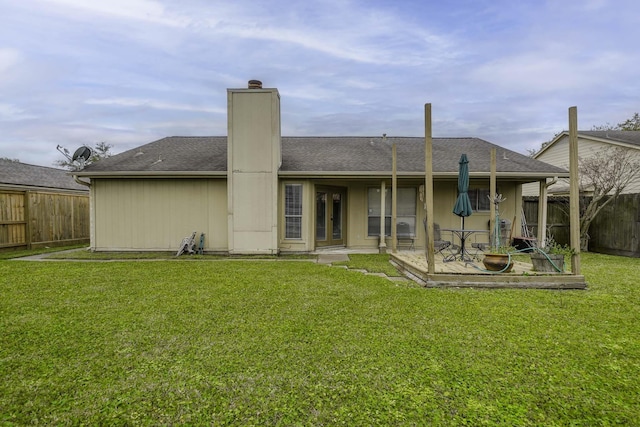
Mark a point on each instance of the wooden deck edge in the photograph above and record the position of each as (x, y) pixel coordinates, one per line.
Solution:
(459, 282)
(508, 280)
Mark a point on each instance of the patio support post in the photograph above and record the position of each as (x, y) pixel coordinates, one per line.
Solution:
(518, 217)
(492, 194)
(428, 189)
(542, 215)
(394, 200)
(574, 200)
(382, 248)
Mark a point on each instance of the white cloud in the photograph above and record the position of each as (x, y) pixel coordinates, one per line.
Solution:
(543, 72)
(8, 58)
(10, 112)
(158, 105)
(143, 10)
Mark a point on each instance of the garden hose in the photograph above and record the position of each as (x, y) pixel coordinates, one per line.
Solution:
(558, 269)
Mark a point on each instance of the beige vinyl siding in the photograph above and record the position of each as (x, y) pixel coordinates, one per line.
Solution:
(634, 187)
(156, 214)
(558, 155)
(357, 216)
(445, 198)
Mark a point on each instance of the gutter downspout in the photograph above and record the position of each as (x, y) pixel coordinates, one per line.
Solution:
(81, 182)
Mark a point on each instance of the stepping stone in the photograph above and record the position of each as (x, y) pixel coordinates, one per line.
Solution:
(330, 258)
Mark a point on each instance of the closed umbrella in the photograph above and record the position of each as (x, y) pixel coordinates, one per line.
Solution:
(462, 208)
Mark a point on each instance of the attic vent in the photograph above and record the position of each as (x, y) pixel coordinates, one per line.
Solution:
(255, 84)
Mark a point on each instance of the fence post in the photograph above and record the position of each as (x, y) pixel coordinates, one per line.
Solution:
(27, 218)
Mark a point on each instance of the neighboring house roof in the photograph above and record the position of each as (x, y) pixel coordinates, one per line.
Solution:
(624, 136)
(322, 156)
(24, 176)
(590, 143)
(627, 138)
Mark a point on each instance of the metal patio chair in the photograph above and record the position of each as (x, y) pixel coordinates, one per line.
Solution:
(404, 233)
(439, 244)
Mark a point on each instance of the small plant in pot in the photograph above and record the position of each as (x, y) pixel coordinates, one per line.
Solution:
(551, 257)
(498, 258)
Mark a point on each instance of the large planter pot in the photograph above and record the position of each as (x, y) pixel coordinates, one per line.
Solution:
(497, 262)
(542, 262)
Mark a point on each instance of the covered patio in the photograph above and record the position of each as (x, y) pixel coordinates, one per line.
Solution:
(473, 274)
(430, 268)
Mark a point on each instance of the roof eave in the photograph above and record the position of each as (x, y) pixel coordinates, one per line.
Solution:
(521, 175)
(438, 175)
(611, 141)
(151, 174)
(317, 174)
(31, 187)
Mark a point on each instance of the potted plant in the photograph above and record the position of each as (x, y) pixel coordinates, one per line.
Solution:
(551, 257)
(499, 257)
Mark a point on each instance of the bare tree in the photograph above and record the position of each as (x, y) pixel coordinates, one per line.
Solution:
(603, 177)
(630, 124)
(101, 150)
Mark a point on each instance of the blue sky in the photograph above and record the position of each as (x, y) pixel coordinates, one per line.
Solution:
(128, 72)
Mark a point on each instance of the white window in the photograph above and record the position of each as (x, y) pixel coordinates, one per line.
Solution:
(293, 211)
(406, 215)
(480, 199)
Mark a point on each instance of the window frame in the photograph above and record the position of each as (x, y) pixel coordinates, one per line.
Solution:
(479, 200)
(293, 212)
(412, 218)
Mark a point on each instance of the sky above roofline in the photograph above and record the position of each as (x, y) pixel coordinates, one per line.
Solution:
(128, 72)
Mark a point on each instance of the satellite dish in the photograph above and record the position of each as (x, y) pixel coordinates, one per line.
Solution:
(83, 153)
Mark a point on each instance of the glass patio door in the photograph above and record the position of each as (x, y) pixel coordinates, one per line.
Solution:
(330, 214)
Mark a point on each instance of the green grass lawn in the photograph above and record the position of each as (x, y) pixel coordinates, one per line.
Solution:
(297, 343)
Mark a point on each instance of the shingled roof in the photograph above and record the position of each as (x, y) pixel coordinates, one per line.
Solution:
(374, 154)
(625, 136)
(171, 154)
(314, 155)
(613, 137)
(23, 176)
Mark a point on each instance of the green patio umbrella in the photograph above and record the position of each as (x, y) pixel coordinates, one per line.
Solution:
(462, 208)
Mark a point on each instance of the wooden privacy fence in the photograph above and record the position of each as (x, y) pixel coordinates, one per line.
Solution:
(615, 231)
(557, 218)
(31, 219)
